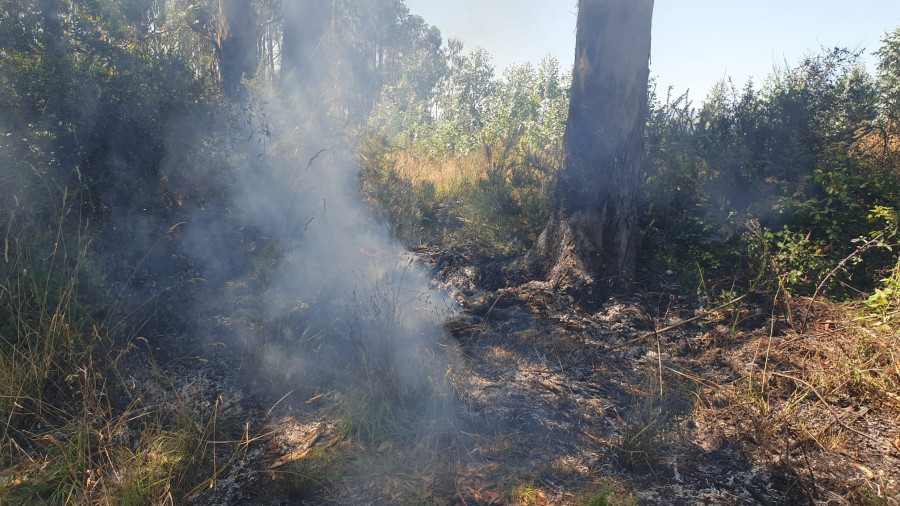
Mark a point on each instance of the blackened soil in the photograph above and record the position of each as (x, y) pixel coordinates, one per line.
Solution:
(556, 404)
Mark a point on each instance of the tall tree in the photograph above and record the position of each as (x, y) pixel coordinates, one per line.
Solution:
(236, 43)
(592, 236)
(50, 12)
(306, 23)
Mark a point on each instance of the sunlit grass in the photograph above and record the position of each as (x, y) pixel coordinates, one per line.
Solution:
(497, 197)
(451, 177)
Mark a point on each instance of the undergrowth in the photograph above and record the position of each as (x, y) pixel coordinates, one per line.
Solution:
(822, 385)
(72, 431)
(497, 197)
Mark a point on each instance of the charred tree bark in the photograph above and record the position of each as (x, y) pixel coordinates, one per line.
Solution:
(236, 44)
(306, 23)
(592, 236)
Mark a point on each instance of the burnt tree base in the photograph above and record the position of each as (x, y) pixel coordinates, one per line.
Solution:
(589, 252)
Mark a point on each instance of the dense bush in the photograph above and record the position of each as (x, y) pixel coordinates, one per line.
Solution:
(795, 157)
(100, 136)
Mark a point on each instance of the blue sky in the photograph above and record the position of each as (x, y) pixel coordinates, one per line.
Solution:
(695, 42)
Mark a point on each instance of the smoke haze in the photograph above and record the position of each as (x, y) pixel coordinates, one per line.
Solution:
(320, 294)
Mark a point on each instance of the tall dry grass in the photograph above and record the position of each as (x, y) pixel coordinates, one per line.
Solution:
(67, 433)
(497, 197)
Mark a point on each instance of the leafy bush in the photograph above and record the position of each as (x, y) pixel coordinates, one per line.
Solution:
(798, 157)
(470, 158)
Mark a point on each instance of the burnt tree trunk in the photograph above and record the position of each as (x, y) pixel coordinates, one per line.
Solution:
(592, 236)
(236, 44)
(306, 23)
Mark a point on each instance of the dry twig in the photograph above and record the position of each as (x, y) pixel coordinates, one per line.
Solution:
(674, 326)
(827, 406)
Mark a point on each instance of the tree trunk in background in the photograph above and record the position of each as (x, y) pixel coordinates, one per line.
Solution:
(50, 13)
(302, 56)
(237, 39)
(56, 114)
(592, 235)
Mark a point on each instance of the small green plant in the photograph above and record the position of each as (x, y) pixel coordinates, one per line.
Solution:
(885, 300)
(639, 446)
(608, 495)
(301, 477)
(528, 493)
(602, 498)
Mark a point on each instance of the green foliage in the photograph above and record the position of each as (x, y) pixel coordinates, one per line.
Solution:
(510, 204)
(300, 477)
(452, 104)
(409, 205)
(607, 497)
(41, 341)
(797, 157)
(889, 76)
(58, 364)
(502, 138)
(885, 298)
(100, 161)
(794, 164)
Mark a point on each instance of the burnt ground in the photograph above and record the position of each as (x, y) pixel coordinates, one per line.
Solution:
(551, 405)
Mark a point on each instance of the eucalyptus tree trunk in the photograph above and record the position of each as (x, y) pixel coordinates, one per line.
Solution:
(592, 236)
(236, 44)
(50, 14)
(306, 23)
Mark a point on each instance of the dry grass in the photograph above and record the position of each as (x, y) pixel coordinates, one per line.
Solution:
(496, 197)
(451, 177)
(821, 407)
(71, 432)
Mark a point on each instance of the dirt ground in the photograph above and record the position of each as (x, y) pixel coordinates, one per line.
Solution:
(555, 403)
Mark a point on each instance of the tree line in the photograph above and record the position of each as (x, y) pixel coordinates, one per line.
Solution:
(801, 167)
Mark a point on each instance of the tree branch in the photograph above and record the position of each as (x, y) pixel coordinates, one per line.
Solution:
(675, 326)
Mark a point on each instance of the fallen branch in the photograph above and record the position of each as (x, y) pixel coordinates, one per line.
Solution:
(674, 326)
(304, 449)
